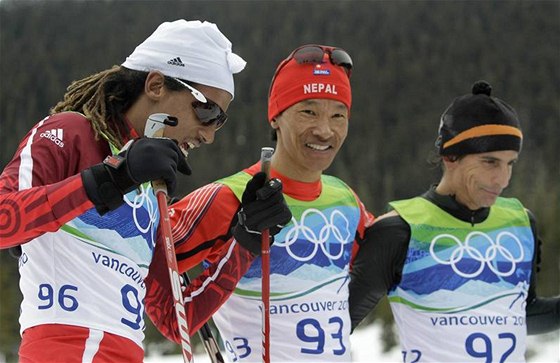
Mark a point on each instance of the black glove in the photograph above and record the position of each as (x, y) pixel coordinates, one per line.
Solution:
(146, 159)
(262, 206)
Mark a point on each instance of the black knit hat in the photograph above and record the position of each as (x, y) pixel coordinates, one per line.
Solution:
(478, 123)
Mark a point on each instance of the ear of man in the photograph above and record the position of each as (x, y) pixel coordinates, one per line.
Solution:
(154, 85)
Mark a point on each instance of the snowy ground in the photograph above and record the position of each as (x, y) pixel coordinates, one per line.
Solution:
(366, 347)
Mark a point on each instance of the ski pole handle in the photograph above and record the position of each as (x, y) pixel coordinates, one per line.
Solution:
(155, 126)
(266, 156)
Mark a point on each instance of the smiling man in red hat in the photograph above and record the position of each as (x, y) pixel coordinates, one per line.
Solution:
(308, 111)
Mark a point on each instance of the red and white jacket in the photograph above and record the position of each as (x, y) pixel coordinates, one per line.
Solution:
(82, 269)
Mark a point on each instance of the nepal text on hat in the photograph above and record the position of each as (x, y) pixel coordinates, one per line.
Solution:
(319, 88)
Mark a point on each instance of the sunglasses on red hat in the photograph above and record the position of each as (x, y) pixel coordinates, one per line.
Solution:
(207, 111)
(315, 53)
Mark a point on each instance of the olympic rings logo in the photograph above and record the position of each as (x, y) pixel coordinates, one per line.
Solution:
(336, 227)
(142, 200)
(485, 258)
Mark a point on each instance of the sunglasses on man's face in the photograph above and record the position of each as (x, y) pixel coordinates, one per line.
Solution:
(314, 53)
(207, 111)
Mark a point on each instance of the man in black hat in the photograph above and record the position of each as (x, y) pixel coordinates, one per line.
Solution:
(459, 262)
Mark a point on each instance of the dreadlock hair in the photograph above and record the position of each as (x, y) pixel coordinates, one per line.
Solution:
(105, 97)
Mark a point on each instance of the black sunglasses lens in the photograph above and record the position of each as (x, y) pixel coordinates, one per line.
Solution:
(309, 55)
(221, 120)
(209, 112)
(341, 58)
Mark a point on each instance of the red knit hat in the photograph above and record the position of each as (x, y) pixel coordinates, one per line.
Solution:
(294, 82)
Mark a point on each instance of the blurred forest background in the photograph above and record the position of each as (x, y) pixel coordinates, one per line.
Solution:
(411, 58)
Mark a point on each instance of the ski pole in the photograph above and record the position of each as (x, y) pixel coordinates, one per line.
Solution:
(205, 334)
(266, 156)
(155, 126)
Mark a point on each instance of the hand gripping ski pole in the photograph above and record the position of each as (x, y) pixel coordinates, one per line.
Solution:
(155, 126)
(266, 156)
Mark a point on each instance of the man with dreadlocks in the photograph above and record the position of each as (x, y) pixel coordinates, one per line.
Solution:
(76, 199)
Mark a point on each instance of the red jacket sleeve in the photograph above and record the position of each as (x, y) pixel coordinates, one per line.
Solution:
(203, 296)
(41, 188)
(366, 220)
(202, 223)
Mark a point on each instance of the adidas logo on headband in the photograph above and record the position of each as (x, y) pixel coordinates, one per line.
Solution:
(176, 62)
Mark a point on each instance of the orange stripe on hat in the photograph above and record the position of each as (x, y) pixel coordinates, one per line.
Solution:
(484, 130)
